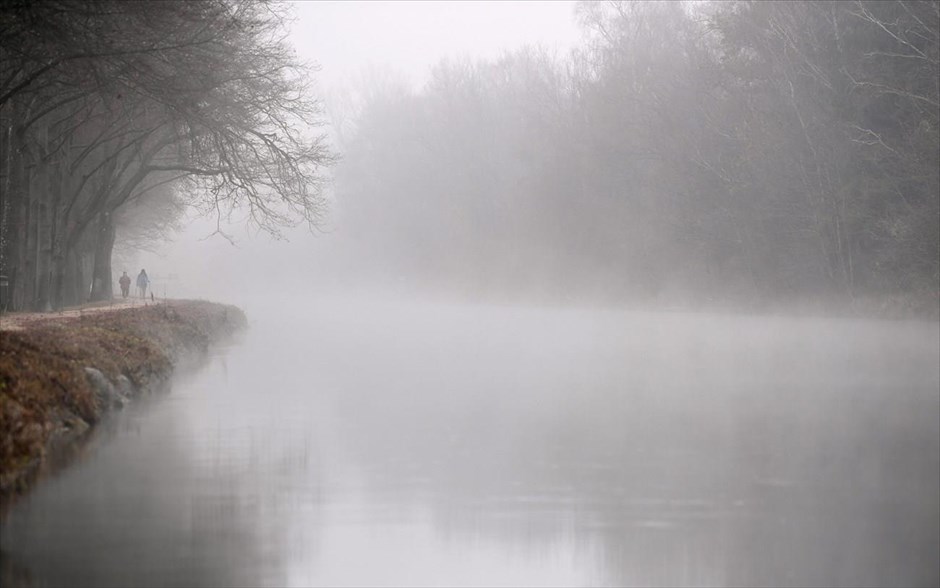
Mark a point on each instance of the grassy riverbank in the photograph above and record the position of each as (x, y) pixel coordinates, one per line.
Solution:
(51, 389)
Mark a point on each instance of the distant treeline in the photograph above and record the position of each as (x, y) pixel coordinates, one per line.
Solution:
(741, 152)
(114, 115)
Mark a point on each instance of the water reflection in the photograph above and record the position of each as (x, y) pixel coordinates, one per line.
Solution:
(413, 445)
(146, 509)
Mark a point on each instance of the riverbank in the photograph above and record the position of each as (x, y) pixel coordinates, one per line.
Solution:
(61, 373)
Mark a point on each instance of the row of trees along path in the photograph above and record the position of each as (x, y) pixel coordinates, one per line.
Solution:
(110, 108)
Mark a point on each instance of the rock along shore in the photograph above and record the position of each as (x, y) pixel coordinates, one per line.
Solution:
(60, 376)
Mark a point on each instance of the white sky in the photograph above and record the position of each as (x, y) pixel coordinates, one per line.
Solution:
(409, 37)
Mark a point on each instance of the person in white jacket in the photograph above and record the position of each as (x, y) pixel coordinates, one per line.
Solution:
(142, 282)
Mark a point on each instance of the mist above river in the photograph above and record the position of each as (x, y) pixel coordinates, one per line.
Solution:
(540, 293)
(354, 441)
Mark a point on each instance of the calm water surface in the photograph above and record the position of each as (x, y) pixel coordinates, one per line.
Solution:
(364, 444)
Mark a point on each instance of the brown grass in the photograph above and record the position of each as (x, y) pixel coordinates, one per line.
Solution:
(42, 377)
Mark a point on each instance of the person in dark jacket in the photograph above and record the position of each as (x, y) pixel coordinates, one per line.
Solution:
(125, 283)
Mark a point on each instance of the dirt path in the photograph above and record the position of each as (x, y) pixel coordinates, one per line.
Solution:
(18, 321)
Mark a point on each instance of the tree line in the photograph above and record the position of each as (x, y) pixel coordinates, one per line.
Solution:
(742, 152)
(116, 116)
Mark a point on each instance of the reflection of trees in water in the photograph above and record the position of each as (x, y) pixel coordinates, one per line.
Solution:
(147, 510)
(672, 449)
(748, 452)
(13, 574)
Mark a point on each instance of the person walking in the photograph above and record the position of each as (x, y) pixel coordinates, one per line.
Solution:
(142, 282)
(125, 283)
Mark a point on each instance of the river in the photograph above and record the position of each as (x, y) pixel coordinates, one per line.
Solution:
(353, 443)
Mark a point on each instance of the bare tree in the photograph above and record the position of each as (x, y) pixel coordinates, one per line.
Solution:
(103, 101)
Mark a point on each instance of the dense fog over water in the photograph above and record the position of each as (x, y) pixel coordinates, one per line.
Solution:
(362, 442)
(620, 294)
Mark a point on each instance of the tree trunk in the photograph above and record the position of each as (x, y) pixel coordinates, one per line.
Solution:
(44, 258)
(12, 226)
(31, 240)
(101, 287)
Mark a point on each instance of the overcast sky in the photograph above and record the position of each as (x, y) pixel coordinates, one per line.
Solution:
(345, 37)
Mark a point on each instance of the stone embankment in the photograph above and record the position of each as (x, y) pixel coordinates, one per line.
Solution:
(60, 375)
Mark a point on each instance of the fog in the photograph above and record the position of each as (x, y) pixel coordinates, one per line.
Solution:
(626, 293)
(358, 441)
(589, 154)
